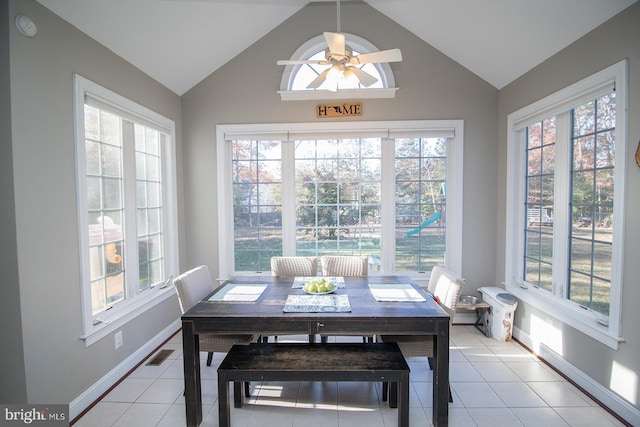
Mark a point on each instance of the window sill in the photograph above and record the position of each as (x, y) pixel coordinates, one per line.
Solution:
(118, 317)
(306, 95)
(567, 313)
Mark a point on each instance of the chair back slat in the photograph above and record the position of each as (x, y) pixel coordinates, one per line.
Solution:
(447, 287)
(294, 266)
(345, 266)
(192, 286)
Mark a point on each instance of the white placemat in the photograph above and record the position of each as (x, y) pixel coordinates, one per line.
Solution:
(401, 292)
(240, 292)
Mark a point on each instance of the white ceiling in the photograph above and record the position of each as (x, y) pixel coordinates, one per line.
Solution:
(499, 40)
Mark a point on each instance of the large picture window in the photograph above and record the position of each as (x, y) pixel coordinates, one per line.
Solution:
(565, 203)
(421, 183)
(312, 192)
(338, 197)
(126, 204)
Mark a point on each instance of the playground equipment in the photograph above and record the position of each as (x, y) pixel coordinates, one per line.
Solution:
(433, 218)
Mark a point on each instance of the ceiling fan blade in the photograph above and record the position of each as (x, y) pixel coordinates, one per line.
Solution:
(365, 78)
(336, 42)
(301, 61)
(317, 82)
(391, 55)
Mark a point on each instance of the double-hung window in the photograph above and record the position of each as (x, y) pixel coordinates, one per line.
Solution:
(126, 206)
(388, 190)
(566, 203)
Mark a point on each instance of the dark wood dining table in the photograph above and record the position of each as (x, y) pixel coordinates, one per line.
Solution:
(367, 317)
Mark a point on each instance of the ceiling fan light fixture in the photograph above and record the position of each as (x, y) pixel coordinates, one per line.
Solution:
(333, 77)
(339, 56)
(348, 73)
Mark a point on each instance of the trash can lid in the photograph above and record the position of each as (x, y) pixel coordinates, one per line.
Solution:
(506, 298)
(498, 294)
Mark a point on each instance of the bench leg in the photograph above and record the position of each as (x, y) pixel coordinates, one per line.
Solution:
(403, 401)
(224, 411)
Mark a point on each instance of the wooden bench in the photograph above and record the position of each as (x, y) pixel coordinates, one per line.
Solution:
(314, 362)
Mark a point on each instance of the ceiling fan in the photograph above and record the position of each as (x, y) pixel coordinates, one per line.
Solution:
(339, 56)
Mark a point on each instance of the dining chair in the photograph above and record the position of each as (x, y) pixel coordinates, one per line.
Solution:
(345, 266)
(192, 287)
(294, 266)
(446, 288)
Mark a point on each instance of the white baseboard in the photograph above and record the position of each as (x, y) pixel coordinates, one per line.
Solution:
(612, 401)
(94, 392)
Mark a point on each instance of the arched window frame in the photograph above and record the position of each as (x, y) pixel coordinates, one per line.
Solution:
(318, 43)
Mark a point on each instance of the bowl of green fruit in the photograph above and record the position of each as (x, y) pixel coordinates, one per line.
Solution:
(319, 287)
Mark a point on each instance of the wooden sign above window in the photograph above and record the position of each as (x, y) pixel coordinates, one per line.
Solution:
(339, 110)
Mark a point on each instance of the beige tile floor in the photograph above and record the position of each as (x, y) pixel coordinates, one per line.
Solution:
(493, 384)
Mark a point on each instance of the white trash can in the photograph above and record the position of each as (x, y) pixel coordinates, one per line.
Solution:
(503, 305)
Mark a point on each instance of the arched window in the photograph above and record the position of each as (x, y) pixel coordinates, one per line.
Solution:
(296, 78)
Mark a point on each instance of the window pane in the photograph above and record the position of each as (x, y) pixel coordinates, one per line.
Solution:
(110, 129)
(91, 123)
(592, 184)
(243, 150)
(106, 292)
(606, 112)
(338, 198)
(584, 119)
(420, 200)
(93, 155)
(111, 158)
(583, 152)
(605, 149)
(94, 193)
(104, 184)
(257, 203)
(540, 183)
(149, 206)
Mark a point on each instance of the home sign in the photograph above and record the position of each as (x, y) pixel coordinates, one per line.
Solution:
(339, 110)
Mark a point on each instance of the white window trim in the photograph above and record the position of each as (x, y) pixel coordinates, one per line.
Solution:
(569, 312)
(97, 327)
(319, 43)
(286, 131)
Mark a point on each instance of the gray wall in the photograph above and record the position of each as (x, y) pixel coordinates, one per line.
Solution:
(13, 388)
(617, 39)
(57, 365)
(432, 86)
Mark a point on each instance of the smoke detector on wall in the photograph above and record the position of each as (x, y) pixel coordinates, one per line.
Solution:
(26, 26)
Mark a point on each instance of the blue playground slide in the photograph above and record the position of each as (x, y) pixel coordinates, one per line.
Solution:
(434, 218)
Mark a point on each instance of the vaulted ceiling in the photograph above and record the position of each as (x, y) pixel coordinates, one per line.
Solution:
(207, 33)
